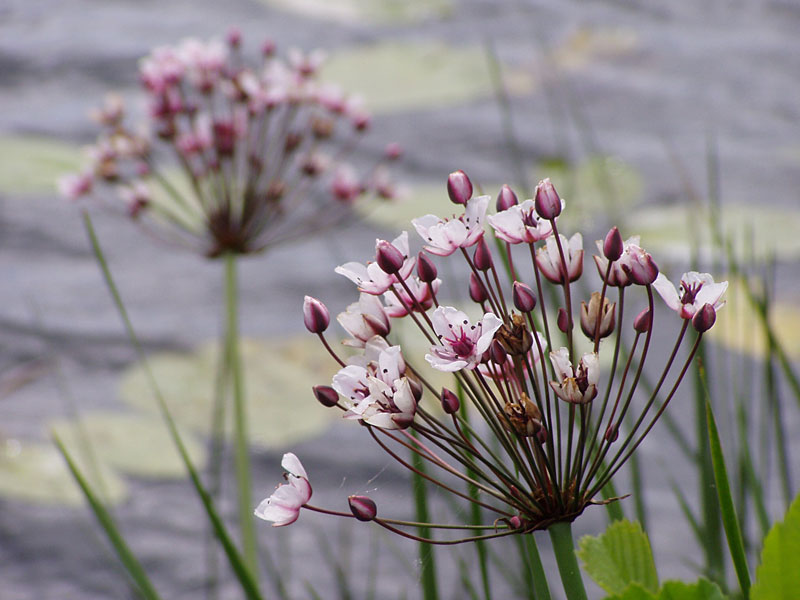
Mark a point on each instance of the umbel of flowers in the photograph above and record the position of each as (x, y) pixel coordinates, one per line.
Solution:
(554, 426)
(235, 156)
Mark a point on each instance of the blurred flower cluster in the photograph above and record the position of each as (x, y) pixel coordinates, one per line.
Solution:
(234, 157)
(544, 405)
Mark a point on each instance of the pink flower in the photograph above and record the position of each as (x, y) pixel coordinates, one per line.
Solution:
(638, 265)
(617, 277)
(283, 506)
(697, 290)
(374, 389)
(364, 320)
(577, 386)
(548, 258)
(421, 291)
(443, 237)
(463, 344)
(74, 186)
(520, 224)
(370, 278)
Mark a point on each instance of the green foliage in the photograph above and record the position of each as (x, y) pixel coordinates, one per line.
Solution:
(619, 557)
(778, 576)
(370, 11)
(31, 165)
(673, 590)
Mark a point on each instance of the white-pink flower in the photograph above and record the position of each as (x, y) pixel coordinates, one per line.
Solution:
(398, 307)
(696, 290)
(520, 224)
(617, 277)
(443, 237)
(364, 319)
(283, 506)
(374, 389)
(73, 186)
(577, 386)
(493, 370)
(370, 278)
(548, 258)
(463, 343)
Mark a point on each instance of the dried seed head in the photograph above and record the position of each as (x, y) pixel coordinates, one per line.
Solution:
(596, 319)
(522, 417)
(516, 339)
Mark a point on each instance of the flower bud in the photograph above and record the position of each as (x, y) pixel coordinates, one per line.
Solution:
(483, 256)
(547, 202)
(541, 435)
(612, 245)
(326, 395)
(388, 257)
(612, 433)
(704, 318)
(476, 289)
(315, 315)
(640, 267)
(450, 402)
(425, 268)
(234, 37)
(506, 198)
(459, 187)
(563, 320)
(643, 321)
(515, 522)
(267, 48)
(497, 353)
(363, 508)
(524, 298)
(393, 151)
(596, 319)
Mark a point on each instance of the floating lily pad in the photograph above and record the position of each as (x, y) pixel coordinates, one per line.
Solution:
(31, 165)
(372, 11)
(586, 46)
(137, 444)
(394, 76)
(38, 473)
(738, 325)
(667, 230)
(278, 379)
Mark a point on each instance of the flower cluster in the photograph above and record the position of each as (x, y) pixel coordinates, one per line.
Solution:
(541, 413)
(234, 157)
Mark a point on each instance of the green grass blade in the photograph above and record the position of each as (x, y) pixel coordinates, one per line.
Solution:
(727, 510)
(103, 516)
(236, 561)
(541, 590)
(427, 559)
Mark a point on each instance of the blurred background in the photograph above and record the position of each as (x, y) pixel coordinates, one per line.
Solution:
(644, 114)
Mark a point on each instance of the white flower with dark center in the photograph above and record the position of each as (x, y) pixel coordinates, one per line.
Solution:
(364, 319)
(548, 258)
(443, 237)
(577, 386)
(520, 224)
(370, 278)
(463, 343)
(399, 307)
(696, 290)
(283, 506)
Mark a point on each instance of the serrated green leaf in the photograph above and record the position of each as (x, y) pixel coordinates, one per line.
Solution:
(778, 575)
(634, 592)
(31, 164)
(702, 589)
(619, 557)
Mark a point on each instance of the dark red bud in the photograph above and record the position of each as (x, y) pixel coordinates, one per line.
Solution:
(483, 256)
(393, 151)
(425, 268)
(450, 402)
(315, 315)
(388, 257)
(506, 198)
(416, 388)
(704, 318)
(612, 245)
(267, 47)
(476, 289)
(459, 187)
(541, 435)
(547, 202)
(326, 395)
(643, 321)
(497, 353)
(563, 320)
(612, 433)
(363, 508)
(234, 37)
(524, 298)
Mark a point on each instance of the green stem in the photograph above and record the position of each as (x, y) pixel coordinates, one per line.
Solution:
(426, 556)
(242, 451)
(541, 591)
(564, 549)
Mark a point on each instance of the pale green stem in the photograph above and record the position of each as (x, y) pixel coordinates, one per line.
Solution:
(241, 447)
(541, 591)
(564, 549)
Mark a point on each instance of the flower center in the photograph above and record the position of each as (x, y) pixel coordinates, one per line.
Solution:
(462, 345)
(530, 219)
(690, 292)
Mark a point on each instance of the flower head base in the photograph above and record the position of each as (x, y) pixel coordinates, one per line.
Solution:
(556, 444)
(226, 146)
(283, 506)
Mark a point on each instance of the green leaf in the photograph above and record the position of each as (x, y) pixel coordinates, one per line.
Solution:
(619, 557)
(396, 76)
(135, 443)
(32, 164)
(778, 576)
(634, 592)
(673, 590)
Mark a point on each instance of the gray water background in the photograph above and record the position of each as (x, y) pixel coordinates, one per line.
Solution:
(725, 69)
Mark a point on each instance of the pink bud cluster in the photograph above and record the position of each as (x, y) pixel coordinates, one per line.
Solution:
(235, 156)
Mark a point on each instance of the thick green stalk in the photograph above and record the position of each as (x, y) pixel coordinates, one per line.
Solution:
(541, 591)
(564, 549)
(241, 446)
(426, 556)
